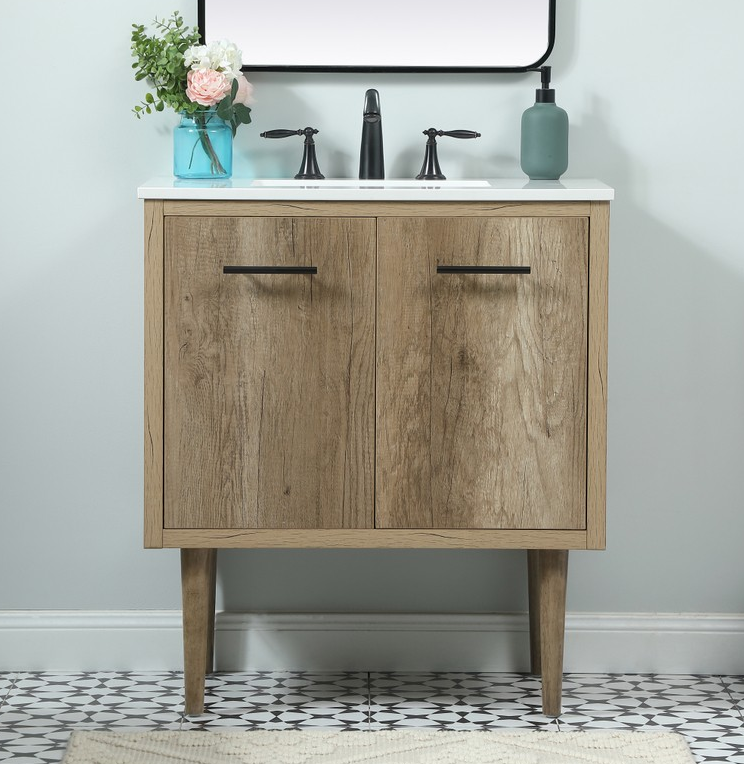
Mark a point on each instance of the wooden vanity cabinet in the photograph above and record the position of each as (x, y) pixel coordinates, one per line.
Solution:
(376, 374)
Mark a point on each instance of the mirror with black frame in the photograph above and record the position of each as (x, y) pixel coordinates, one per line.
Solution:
(384, 35)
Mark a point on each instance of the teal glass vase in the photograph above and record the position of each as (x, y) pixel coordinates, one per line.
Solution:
(202, 146)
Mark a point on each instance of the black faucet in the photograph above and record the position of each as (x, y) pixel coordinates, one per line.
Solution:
(371, 160)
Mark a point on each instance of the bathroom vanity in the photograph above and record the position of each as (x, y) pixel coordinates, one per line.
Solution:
(358, 364)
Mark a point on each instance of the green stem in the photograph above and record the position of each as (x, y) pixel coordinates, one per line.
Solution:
(216, 166)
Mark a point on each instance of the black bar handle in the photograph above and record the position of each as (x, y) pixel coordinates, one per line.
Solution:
(270, 269)
(484, 269)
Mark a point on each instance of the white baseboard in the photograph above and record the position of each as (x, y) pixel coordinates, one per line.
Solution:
(151, 640)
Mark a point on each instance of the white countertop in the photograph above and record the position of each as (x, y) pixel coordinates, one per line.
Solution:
(345, 189)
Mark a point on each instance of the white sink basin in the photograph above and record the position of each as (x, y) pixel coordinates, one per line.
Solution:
(351, 183)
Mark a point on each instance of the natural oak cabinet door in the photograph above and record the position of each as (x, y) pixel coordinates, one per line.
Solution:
(269, 383)
(482, 379)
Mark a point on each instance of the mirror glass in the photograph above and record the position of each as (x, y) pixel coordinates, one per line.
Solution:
(383, 35)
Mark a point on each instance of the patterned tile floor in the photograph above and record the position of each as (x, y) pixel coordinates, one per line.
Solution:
(38, 710)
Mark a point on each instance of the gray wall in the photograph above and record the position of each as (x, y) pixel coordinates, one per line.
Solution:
(654, 97)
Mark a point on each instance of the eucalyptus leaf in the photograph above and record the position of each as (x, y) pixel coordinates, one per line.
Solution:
(243, 113)
(224, 109)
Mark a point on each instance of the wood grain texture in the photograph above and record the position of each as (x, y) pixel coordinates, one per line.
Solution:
(597, 400)
(270, 379)
(235, 536)
(153, 393)
(376, 209)
(197, 587)
(481, 379)
(373, 538)
(552, 572)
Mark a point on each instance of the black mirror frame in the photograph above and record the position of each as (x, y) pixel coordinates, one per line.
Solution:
(412, 69)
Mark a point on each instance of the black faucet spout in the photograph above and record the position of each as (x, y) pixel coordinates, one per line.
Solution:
(371, 158)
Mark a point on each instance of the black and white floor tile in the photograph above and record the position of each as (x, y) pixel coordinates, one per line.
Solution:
(276, 700)
(39, 710)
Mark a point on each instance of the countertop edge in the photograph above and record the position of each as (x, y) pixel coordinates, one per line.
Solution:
(511, 190)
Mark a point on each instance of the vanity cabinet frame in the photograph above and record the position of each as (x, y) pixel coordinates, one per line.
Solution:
(547, 548)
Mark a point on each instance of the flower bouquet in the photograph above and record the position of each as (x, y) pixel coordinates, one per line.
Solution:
(203, 83)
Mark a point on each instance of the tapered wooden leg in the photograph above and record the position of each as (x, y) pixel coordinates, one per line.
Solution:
(552, 574)
(533, 584)
(197, 587)
(209, 668)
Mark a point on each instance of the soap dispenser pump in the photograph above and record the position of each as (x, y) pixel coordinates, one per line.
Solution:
(544, 152)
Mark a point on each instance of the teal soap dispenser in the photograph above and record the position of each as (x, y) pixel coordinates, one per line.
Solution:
(544, 153)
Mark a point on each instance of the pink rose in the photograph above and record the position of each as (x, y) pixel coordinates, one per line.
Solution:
(245, 91)
(206, 86)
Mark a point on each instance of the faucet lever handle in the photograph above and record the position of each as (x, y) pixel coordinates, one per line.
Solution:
(307, 132)
(459, 133)
(280, 133)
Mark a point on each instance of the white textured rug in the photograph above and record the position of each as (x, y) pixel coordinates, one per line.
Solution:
(384, 746)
